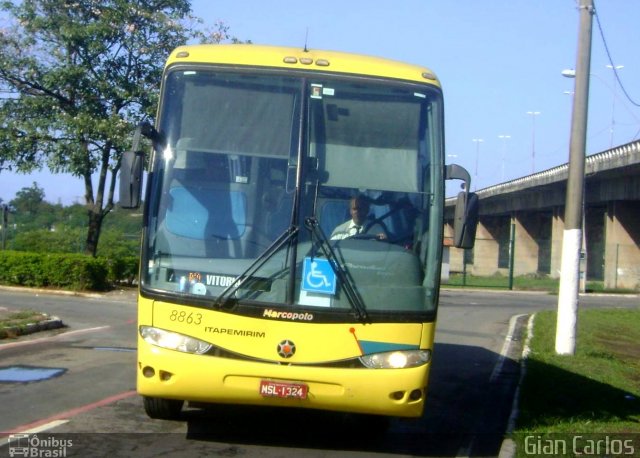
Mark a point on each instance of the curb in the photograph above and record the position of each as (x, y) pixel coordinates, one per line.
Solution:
(508, 448)
(60, 292)
(31, 328)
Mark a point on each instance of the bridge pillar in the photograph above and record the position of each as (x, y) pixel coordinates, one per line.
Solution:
(456, 255)
(594, 235)
(622, 250)
(532, 244)
(525, 246)
(486, 248)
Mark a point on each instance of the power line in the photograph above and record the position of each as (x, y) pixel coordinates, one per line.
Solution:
(615, 71)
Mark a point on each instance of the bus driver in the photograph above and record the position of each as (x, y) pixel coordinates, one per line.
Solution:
(357, 225)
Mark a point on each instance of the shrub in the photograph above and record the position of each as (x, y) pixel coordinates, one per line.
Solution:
(123, 270)
(66, 271)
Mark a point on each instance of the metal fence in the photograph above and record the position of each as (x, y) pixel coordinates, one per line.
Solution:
(535, 263)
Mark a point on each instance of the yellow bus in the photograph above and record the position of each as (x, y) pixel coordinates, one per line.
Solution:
(293, 231)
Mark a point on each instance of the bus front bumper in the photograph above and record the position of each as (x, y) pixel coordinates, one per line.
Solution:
(170, 374)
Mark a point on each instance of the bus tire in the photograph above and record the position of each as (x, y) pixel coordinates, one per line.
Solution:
(162, 409)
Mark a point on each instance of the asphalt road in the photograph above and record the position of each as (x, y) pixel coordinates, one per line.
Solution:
(90, 391)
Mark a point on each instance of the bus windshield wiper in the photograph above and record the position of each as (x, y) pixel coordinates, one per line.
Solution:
(248, 273)
(356, 302)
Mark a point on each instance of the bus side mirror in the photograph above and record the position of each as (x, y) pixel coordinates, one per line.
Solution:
(465, 220)
(132, 165)
(131, 168)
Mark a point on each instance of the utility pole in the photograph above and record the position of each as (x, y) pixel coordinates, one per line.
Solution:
(533, 115)
(477, 141)
(504, 139)
(572, 236)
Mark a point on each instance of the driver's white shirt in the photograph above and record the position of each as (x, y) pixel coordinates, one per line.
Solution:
(350, 228)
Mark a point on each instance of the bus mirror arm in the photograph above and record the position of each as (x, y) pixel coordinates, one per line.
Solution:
(147, 130)
(466, 210)
(457, 172)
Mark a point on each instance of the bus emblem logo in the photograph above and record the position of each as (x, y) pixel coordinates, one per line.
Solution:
(286, 349)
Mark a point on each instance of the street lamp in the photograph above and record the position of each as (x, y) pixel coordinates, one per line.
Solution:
(615, 68)
(533, 115)
(570, 73)
(504, 139)
(477, 141)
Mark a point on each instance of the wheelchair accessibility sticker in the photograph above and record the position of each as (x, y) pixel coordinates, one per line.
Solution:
(318, 276)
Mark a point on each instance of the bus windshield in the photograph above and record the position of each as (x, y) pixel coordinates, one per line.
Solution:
(296, 193)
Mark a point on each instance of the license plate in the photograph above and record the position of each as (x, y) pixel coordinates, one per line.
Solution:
(270, 388)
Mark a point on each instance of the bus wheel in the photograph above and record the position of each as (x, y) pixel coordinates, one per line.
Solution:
(162, 409)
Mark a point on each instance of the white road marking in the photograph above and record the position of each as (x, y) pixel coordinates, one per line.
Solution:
(48, 339)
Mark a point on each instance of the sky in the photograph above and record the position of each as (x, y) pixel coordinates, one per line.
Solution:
(507, 105)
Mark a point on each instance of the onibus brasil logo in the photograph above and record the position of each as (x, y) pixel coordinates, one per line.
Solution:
(30, 445)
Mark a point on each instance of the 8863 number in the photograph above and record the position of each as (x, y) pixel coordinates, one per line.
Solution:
(182, 316)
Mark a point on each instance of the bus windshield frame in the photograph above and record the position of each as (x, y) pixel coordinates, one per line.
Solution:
(251, 156)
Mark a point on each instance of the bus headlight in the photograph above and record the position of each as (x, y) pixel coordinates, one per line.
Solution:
(173, 340)
(397, 359)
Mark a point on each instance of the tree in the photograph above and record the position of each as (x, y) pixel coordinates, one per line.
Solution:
(28, 200)
(32, 212)
(83, 73)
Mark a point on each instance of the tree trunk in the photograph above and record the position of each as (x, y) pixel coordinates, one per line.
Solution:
(93, 232)
(95, 210)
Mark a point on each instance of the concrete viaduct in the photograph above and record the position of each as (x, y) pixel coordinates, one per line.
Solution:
(525, 216)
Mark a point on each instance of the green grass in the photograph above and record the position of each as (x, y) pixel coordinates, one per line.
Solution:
(525, 282)
(596, 391)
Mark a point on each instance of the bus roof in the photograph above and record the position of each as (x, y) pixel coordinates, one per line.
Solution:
(299, 59)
